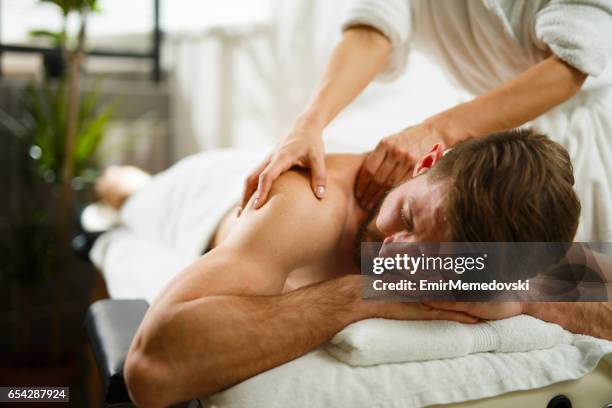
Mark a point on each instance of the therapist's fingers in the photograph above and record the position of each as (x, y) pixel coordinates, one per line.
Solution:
(399, 173)
(379, 183)
(279, 164)
(318, 178)
(368, 169)
(376, 198)
(251, 182)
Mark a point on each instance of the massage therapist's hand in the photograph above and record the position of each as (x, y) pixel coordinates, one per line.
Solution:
(302, 147)
(482, 310)
(392, 161)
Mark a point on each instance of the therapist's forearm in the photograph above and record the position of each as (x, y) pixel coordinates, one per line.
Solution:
(360, 55)
(515, 102)
(591, 318)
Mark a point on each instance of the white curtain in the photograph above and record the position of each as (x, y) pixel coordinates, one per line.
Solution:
(243, 85)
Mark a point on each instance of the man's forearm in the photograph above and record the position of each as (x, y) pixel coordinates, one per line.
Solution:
(592, 318)
(355, 61)
(203, 346)
(513, 103)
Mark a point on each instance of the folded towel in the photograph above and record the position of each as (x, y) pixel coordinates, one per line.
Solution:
(379, 341)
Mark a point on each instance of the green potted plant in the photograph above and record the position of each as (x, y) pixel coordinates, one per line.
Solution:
(55, 145)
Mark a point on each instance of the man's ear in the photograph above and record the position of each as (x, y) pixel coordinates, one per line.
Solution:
(427, 161)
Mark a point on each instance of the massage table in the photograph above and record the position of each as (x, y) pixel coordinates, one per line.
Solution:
(111, 325)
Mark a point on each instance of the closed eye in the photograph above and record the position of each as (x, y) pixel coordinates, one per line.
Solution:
(406, 221)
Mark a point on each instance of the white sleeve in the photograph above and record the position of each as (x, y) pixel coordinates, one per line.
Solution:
(577, 31)
(393, 19)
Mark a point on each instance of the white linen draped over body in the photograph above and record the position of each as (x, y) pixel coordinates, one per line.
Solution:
(483, 43)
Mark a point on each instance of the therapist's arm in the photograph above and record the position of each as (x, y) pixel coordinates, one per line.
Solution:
(519, 100)
(511, 104)
(360, 55)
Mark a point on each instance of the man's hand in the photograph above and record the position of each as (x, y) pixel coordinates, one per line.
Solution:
(482, 310)
(392, 161)
(415, 311)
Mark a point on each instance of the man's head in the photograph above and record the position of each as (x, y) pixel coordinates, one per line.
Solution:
(510, 186)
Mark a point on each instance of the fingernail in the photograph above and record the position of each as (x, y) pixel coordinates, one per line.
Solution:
(255, 203)
(321, 191)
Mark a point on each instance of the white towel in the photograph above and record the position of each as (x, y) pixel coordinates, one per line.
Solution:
(379, 341)
(319, 380)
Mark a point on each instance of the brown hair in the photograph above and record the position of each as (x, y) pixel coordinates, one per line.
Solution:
(513, 186)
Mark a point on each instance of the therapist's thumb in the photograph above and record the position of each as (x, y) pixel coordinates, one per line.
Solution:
(318, 175)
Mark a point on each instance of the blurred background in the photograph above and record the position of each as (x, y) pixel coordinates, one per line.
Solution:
(85, 84)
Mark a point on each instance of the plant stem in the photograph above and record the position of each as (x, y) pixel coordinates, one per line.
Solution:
(75, 61)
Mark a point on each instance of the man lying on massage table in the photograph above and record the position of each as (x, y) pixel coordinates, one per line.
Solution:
(279, 281)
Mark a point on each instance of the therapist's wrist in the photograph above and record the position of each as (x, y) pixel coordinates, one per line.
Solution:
(447, 128)
(311, 121)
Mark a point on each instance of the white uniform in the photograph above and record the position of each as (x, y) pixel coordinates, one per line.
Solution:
(483, 43)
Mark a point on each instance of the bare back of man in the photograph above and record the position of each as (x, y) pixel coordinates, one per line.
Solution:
(335, 250)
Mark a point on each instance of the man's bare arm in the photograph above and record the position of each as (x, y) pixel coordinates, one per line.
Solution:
(203, 321)
(205, 345)
(592, 318)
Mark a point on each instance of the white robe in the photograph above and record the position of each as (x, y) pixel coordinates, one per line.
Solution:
(483, 43)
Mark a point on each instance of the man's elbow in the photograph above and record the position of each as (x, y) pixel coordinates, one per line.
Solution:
(144, 379)
(157, 372)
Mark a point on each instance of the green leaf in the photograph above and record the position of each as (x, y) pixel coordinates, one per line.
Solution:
(88, 104)
(90, 136)
(57, 37)
(68, 6)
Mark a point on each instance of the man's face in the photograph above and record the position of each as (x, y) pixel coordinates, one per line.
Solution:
(412, 212)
